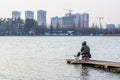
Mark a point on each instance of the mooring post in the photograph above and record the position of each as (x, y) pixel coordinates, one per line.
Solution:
(105, 66)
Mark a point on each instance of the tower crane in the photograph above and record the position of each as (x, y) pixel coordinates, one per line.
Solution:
(100, 21)
(70, 12)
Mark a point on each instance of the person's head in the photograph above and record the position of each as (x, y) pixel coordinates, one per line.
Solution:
(83, 43)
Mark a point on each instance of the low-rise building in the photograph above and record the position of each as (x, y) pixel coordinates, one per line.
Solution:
(111, 27)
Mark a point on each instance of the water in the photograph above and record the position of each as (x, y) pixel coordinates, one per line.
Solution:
(43, 58)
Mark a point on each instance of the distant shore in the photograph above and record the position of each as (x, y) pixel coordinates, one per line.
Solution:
(66, 35)
(54, 34)
(111, 35)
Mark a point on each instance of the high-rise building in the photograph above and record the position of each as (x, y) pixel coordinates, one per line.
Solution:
(54, 22)
(60, 22)
(68, 22)
(16, 15)
(118, 26)
(29, 14)
(85, 20)
(41, 17)
(78, 20)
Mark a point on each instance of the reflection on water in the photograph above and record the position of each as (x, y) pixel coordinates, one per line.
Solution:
(43, 58)
(84, 73)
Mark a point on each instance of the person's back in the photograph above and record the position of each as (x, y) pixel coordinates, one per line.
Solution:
(85, 50)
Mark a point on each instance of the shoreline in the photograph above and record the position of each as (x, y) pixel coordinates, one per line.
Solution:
(109, 35)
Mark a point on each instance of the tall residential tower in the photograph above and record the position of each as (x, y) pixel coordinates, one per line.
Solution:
(16, 15)
(85, 20)
(41, 17)
(29, 14)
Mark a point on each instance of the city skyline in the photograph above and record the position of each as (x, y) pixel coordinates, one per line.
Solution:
(96, 8)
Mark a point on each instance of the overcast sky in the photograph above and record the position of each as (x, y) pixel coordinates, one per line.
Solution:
(109, 9)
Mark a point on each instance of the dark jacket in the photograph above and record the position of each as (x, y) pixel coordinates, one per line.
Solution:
(86, 51)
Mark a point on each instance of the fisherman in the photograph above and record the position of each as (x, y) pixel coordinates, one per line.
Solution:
(85, 51)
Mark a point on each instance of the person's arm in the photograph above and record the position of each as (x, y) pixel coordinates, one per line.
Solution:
(82, 50)
(78, 54)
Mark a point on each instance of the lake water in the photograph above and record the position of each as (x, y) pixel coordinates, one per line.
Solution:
(43, 58)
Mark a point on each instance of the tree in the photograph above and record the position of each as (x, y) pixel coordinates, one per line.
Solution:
(29, 25)
(51, 29)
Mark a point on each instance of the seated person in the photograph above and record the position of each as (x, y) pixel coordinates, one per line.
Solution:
(85, 51)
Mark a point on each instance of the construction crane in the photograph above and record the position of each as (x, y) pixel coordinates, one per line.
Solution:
(100, 20)
(70, 12)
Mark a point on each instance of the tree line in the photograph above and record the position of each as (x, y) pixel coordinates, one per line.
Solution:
(10, 27)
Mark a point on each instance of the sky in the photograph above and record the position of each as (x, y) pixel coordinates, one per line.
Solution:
(109, 9)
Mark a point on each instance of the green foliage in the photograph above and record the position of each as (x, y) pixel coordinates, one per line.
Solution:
(29, 25)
